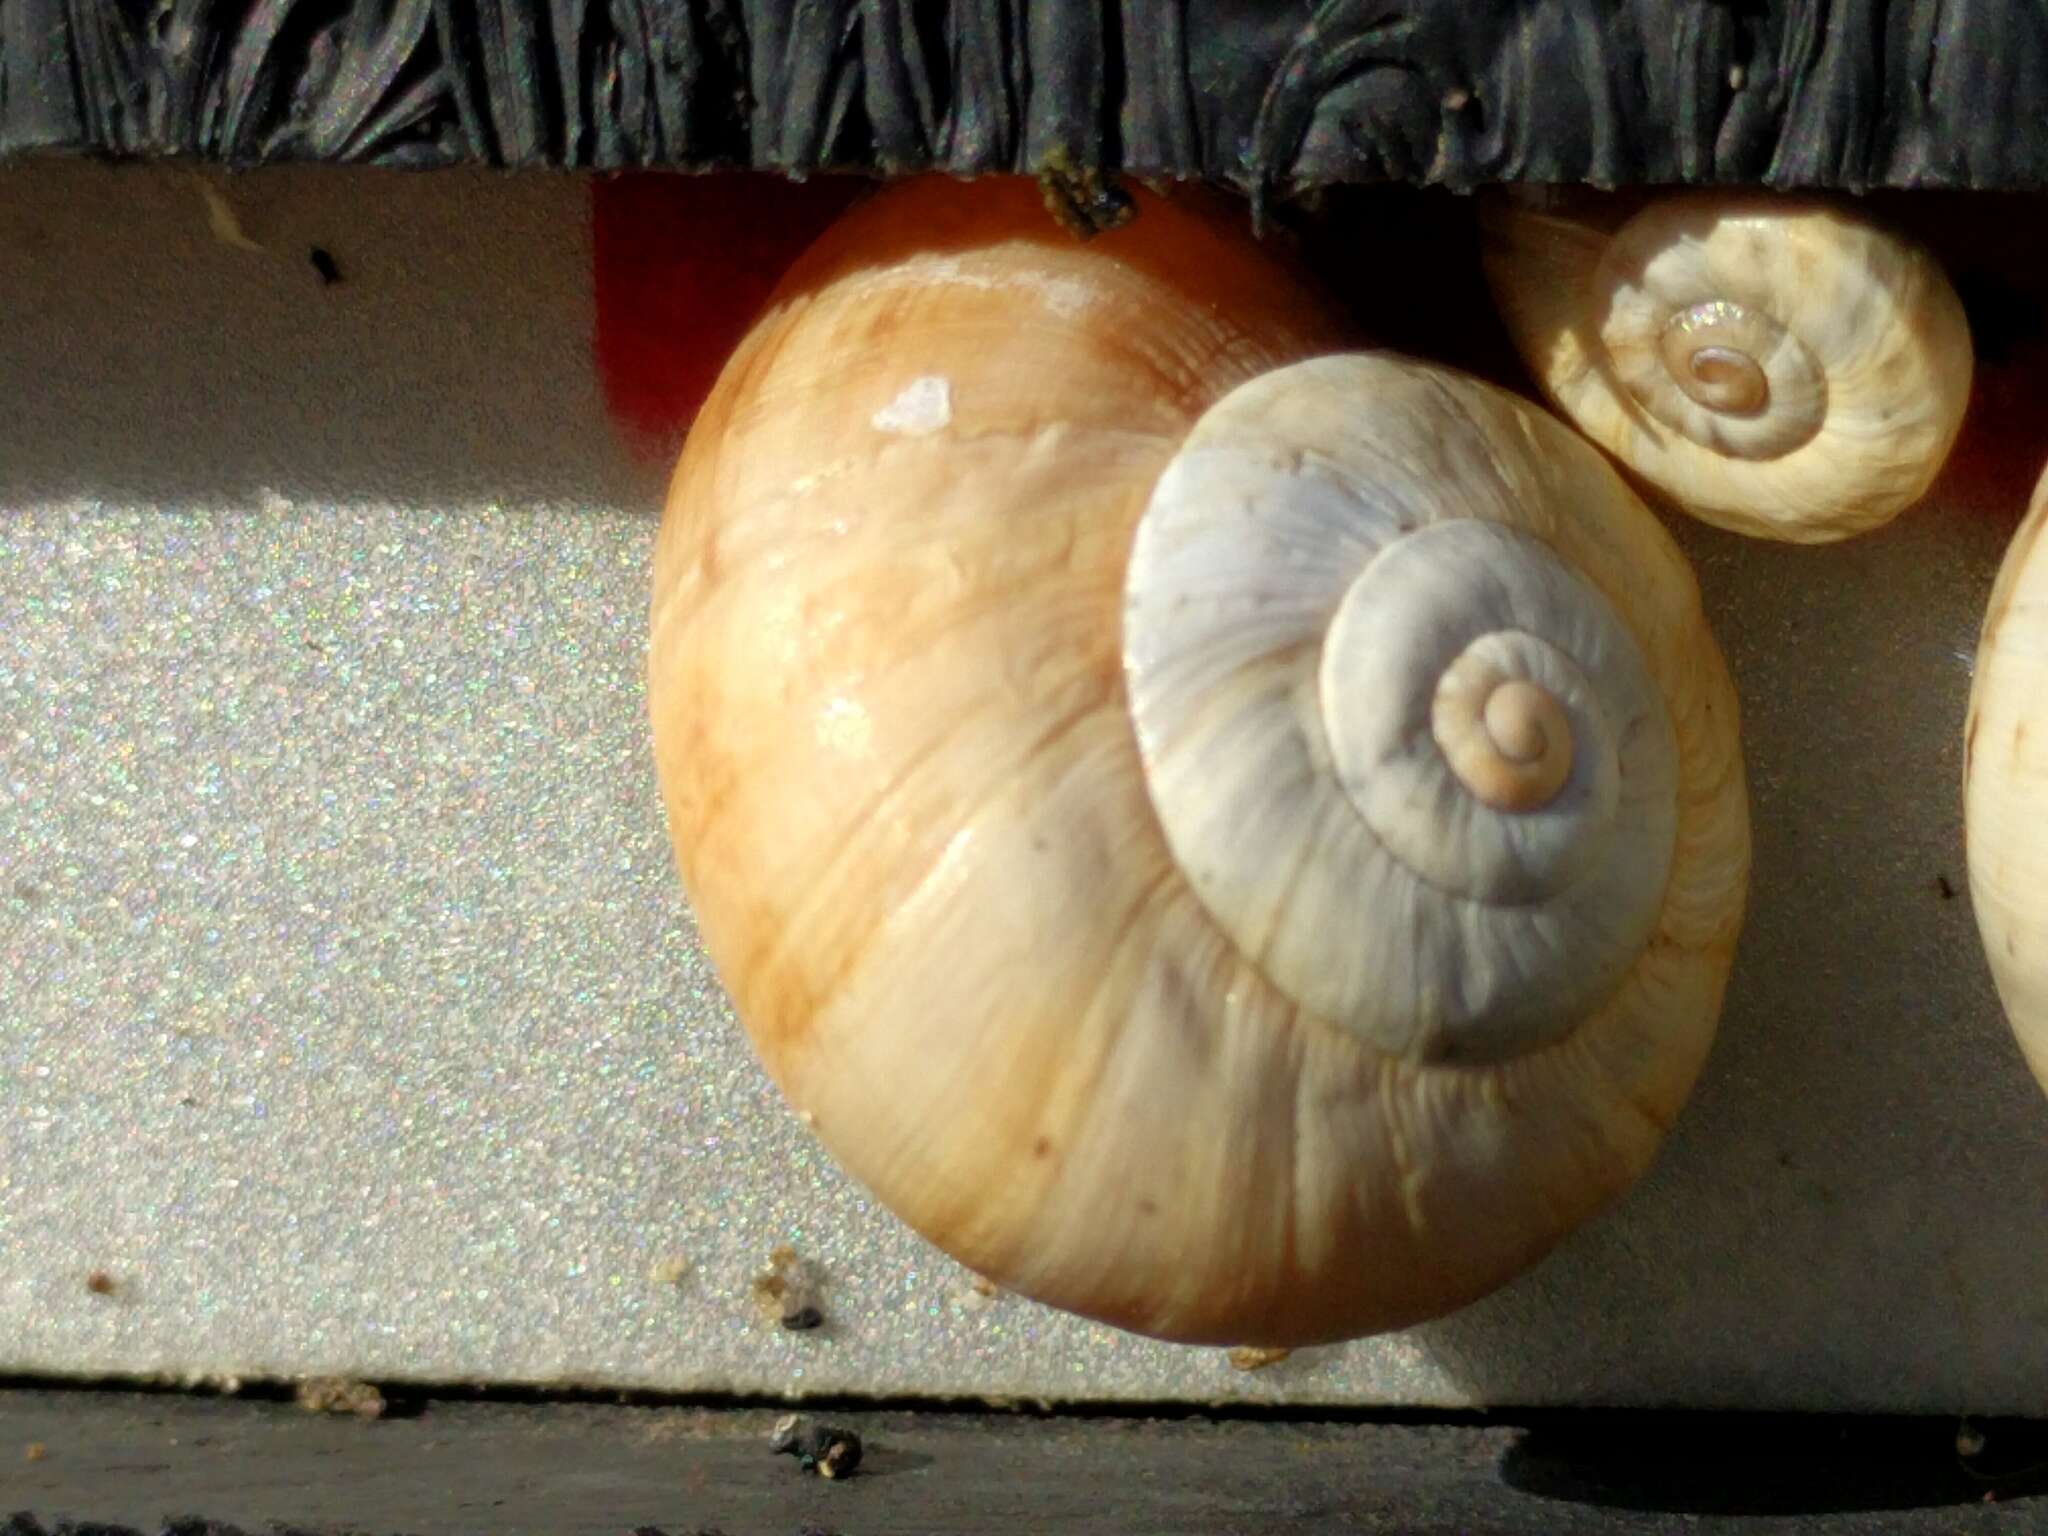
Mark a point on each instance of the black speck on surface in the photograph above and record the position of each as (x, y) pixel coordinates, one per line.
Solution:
(803, 1319)
(324, 263)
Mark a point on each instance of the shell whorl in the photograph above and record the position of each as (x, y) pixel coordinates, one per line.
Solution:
(1778, 367)
(1409, 759)
(1721, 371)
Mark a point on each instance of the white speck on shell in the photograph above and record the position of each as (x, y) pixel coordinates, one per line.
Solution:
(925, 406)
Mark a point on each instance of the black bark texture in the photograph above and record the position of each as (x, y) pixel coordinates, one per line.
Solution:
(1271, 97)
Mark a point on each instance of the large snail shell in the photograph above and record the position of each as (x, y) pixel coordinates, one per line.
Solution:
(1272, 916)
(2005, 777)
(1777, 367)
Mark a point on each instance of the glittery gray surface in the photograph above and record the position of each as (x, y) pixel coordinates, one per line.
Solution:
(350, 1018)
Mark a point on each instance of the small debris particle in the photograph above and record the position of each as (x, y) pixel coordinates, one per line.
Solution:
(1457, 99)
(1247, 1357)
(1969, 1440)
(1945, 887)
(35, 1450)
(978, 1295)
(324, 264)
(222, 219)
(1080, 198)
(100, 1283)
(671, 1270)
(821, 1448)
(340, 1395)
(788, 1292)
(1737, 77)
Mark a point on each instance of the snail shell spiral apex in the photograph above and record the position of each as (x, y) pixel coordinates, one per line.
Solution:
(1238, 842)
(1778, 367)
(1411, 760)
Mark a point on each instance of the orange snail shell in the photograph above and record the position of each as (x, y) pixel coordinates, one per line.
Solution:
(941, 775)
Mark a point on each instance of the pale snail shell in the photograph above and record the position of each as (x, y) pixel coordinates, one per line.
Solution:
(2005, 784)
(1777, 367)
(1000, 569)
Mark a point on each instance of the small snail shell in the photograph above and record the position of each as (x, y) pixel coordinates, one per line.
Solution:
(1242, 848)
(2005, 784)
(1776, 367)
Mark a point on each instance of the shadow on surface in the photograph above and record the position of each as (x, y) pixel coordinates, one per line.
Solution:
(1705, 1465)
(315, 333)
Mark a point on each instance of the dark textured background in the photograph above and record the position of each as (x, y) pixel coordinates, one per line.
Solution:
(1268, 96)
